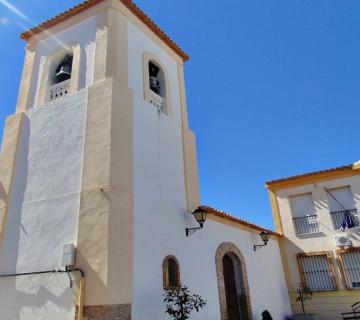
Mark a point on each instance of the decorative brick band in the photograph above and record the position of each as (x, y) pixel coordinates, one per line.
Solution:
(228, 248)
(106, 312)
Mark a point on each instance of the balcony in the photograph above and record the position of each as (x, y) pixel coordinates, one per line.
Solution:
(306, 225)
(338, 217)
(59, 90)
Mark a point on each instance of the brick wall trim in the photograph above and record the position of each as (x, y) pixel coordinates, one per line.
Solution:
(230, 249)
(106, 312)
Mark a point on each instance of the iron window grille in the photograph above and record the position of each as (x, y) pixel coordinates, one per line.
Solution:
(350, 264)
(316, 271)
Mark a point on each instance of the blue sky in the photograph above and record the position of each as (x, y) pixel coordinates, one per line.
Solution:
(272, 87)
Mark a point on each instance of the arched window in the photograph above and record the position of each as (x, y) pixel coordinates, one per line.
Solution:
(156, 79)
(156, 84)
(60, 76)
(171, 273)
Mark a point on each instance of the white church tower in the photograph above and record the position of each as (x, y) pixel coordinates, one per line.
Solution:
(97, 154)
(98, 173)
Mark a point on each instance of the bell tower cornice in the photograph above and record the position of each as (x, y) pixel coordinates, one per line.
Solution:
(89, 8)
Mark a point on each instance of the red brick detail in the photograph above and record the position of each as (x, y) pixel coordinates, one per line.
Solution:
(106, 312)
(234, 252)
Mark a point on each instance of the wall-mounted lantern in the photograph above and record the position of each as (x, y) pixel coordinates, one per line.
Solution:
(200, 216)
(265, 236)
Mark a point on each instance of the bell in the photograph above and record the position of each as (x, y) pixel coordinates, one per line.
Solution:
(63, 74)
(63, 71)
(155, 84)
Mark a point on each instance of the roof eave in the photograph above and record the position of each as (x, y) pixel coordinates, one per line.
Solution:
(27, 35)
(312, 177)
(228, 217)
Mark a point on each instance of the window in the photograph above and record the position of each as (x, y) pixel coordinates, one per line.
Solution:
(350, 265)
(316, 271)
(171, 273)
(60, 76)
(156, 84)
(303, 213)
(342, 208)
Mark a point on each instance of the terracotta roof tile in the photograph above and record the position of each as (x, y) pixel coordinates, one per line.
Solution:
(232, 218)
(90, 3)
(309, 174)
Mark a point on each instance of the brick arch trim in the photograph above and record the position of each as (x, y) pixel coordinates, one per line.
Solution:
(223, 249)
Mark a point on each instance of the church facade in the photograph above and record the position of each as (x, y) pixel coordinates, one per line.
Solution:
(99, 178)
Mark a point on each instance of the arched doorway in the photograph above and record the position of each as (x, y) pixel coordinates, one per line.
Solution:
(232, 282)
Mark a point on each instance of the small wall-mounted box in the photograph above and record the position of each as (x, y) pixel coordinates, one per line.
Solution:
(68, 255)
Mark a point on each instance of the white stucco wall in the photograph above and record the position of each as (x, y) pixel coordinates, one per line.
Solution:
(160, 214)
(43, 213)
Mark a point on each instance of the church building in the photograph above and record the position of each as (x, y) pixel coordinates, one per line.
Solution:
(99, 197)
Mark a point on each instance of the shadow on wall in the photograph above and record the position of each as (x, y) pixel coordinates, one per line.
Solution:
(37, 302)
(95, 287)
(27, 297)
(3, 195)
(294, 273)
(9, 255)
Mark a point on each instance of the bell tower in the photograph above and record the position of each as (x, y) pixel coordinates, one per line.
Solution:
(97, 154)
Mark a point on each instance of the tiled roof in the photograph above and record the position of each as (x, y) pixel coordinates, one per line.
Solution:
(90, 3)
(229, 217)
(309, 174)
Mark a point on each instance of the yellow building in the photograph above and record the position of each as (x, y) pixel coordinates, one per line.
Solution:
(317, 214)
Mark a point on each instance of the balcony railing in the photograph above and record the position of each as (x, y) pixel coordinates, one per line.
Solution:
(338, 217)
(306, 224)
(59, 90)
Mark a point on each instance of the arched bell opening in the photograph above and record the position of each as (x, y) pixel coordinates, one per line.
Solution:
(156, 79)
(63, 70)
(157, 85)
(60, 72)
